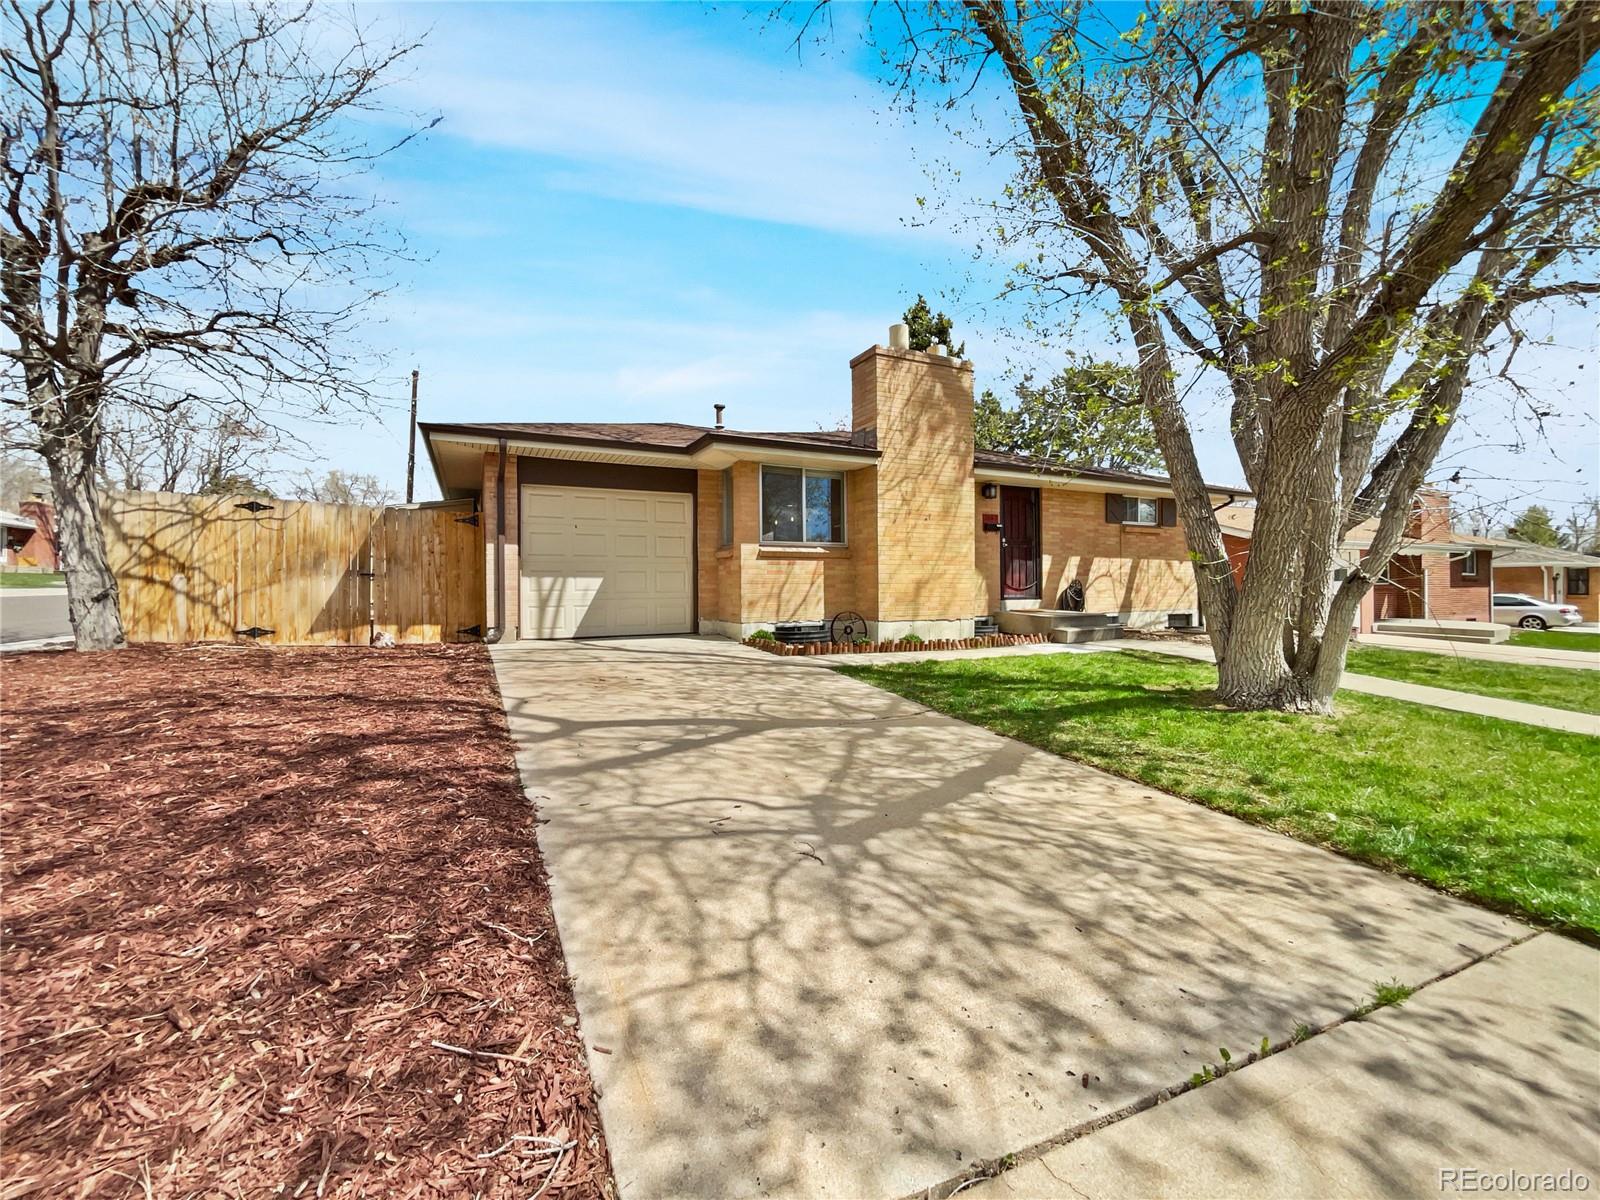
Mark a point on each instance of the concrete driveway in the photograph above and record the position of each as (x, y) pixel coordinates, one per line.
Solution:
(828, 943)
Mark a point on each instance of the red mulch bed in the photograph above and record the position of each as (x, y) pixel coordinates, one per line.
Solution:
(244, 890)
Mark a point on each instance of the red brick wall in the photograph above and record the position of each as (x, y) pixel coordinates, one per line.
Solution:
(1402, 595)
(40, 548)
(1530, 581)
(1452, 595)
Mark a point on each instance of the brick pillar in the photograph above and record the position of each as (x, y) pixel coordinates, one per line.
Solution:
(513, 590)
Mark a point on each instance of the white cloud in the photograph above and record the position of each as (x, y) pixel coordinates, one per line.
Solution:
(636, 113)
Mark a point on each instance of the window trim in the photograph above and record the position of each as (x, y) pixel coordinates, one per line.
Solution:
(1469, 564)
(805, 472)
(1571, 573)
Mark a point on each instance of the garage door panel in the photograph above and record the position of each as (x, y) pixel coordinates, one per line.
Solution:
(538, 504)
(600, 562)
(629, 583)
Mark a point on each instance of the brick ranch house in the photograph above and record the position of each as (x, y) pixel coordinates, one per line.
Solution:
(610, 529)
(29, 536)
(1443, 575)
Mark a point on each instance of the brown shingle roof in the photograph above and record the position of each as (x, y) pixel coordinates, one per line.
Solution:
(647, 435)
(674, 436)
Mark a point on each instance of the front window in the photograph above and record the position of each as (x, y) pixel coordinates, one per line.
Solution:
(802, 505)
(1469, 565)
(1140, 510)
(1577, 581)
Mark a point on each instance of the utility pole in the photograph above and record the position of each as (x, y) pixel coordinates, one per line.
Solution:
(411, 453)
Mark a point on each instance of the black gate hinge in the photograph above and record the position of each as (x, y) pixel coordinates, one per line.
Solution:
(472, 520)
(254, 631)
(254, 506)
(472, 631)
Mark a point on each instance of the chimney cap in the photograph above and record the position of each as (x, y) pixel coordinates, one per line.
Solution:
(899, 336)
(719, 408)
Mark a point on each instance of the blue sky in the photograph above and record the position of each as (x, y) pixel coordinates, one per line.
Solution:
(632, 212)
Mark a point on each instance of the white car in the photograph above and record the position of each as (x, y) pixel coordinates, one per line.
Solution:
(1515, 608)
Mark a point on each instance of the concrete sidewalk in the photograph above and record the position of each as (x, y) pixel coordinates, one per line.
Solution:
(1395, 689)
(1496, 1069)
(836, 945)
(1532, 656)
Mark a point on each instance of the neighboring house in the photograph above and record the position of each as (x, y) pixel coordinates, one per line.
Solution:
(602, 529)
(1441, 574)
(1548, 573)
(29, 536)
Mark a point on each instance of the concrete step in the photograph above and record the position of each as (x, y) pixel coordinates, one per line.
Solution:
(1455, 631)
(1086, 633)
(1047, 620)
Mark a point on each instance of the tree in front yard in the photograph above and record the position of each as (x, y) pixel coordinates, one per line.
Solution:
(178, 232)
(1329, 210)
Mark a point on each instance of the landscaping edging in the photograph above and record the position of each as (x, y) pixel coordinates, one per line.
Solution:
(773, 646)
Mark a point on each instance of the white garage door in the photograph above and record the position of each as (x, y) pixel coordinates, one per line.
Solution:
(596, 562)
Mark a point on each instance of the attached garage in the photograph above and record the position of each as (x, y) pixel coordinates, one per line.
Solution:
(600, 562)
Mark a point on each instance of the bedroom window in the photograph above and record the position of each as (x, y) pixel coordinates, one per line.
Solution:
(800, 505)
(1140, 510)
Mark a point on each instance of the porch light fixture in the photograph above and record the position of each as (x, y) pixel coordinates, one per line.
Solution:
(990, 491)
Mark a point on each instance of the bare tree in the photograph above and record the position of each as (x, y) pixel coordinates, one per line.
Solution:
(344, 487)
(178, 230)
(1331, 209)
(21, 477)
(177, 453)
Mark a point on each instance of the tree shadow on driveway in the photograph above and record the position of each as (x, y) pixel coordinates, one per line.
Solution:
(838, 945)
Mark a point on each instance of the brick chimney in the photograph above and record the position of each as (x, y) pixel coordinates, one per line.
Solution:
(1430, 516)
(921, 510)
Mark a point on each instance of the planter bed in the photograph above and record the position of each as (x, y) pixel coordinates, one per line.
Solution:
(772, 646)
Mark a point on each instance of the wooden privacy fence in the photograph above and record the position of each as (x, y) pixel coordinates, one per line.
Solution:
(292, 572)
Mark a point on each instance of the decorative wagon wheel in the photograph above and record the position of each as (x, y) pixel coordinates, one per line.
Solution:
(847, 627)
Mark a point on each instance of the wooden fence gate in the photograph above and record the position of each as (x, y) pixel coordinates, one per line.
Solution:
(292, 572)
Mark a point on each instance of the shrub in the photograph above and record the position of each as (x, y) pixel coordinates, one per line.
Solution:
(763, 635)
(911, 639)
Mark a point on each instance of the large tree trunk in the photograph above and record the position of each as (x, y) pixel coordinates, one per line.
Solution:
(91, 587)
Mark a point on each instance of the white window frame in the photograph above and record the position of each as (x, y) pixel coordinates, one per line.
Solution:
(805, 472)
(1134, 502)
(1469, 565)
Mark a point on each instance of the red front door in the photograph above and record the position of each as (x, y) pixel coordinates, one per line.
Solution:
(1019, 543)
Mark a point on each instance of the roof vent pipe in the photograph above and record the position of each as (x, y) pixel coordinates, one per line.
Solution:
(719, 408)
(900, 336)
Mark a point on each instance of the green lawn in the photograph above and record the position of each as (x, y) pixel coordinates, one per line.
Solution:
(1558, 687)
(1501, 812)
(1556, 639)
(30, 579)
